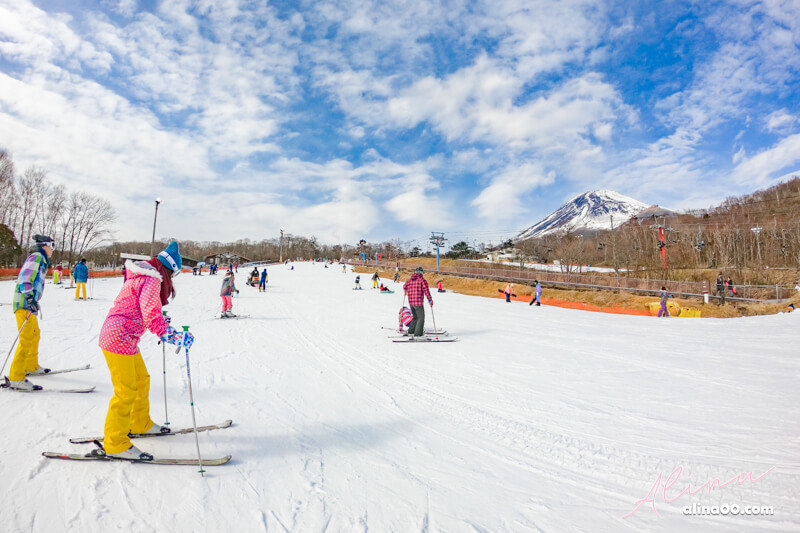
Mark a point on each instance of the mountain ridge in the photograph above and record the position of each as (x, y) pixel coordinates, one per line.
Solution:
(590, 211)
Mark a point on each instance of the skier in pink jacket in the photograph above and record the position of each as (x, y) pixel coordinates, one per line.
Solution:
(147, 287)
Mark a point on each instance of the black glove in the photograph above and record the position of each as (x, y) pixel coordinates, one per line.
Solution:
(33, 305)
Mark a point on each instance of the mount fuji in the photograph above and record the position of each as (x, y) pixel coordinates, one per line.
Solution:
(590, 211)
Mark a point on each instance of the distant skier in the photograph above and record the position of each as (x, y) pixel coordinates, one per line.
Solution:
(537, 293)
(57, 275)
(358, 283)
(137, 309)
(375, 280)
(509, 290)
(344, 269)
(227, 290)
(731, 287)
(439, 286)
(81, 274)
(262, 283)
(721, 288)
(252, 279)
(664, 298)
(384, 288)
(397, 277)
(27, 293)
(417, 289)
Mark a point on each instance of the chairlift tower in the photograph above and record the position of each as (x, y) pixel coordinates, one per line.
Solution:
(662, 242)
(438, 240)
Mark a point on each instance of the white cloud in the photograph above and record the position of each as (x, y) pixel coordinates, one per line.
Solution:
(420, 210)
(768, 166)
(739, 155)
(502, 199)
(779, 121)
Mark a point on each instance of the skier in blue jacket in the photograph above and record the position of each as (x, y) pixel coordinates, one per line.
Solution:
(81, 275)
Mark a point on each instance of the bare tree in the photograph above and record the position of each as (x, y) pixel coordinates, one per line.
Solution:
(7, 188)
(51, 208)
(86, 223)
(30, 192)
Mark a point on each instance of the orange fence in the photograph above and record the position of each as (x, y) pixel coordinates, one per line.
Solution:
(580, 306)
(65, 273)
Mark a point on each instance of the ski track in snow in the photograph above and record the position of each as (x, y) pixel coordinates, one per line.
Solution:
(539, 419)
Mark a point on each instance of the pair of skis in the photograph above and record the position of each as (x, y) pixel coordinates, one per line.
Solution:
(423, 339)
(430, 336)
(99, 454)
(6, 385)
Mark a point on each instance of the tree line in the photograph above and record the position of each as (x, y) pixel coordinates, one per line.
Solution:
(30, 205)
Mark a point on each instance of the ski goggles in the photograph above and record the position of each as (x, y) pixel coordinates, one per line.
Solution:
(173, 265)
(51, 244)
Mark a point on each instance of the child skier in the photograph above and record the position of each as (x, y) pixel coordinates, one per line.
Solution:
(397, 277)
(137, 308)
(439, 286)
(404, 318)
(358, 283)
(228, 287)
(375, 279)
(262, 284)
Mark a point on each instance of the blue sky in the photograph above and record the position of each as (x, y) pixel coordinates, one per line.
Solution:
(388, 120)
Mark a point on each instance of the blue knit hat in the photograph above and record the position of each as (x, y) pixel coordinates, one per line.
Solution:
(170, 257)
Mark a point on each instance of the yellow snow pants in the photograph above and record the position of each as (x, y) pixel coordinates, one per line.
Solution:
(26, 358)
(129, 408)
(81, 287)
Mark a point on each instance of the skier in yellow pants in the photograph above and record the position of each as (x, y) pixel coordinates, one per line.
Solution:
(147, 287)
(81, 275)
(129, 408)
(27, 292)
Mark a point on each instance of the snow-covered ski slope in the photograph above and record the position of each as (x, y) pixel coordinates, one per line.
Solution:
(538, 419)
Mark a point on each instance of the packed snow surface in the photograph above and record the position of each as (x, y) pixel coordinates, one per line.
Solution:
(538, 419)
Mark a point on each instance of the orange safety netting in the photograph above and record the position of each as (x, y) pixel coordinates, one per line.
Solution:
(580, 306)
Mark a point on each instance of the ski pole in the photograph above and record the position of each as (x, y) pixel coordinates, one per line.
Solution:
(15, 342)
(164, 370)
(433, 317)
(191, 401)
(400, 322)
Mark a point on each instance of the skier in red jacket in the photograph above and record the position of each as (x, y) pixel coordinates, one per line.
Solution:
(417, 289)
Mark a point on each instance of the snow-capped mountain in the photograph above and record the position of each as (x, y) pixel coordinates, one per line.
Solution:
(590, 211)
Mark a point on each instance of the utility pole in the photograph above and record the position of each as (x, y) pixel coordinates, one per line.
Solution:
(437, 239)
(155, 217)
(757, 231)
(281, 246)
